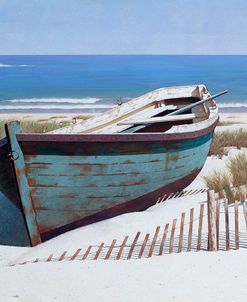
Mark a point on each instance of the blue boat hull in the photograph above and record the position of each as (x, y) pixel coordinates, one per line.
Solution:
(67, 181)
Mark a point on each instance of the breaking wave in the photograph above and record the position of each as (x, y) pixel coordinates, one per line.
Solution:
(5, 65)
(232, 105)
(21, 65)
(56, 100)
(47, 107)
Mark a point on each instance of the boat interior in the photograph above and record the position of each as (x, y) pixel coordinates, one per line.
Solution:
(156, 117)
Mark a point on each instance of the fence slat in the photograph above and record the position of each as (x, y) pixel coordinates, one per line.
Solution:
(158, 200)
(236, 225)
(110, 249)
(162, 243)
(163, 198)
(227, 224)
(172, 235)
(199, 239)
(98, 251)
(154, 241)
(133, 245)
(87, 252)
(190, 230)
(62, 256)
(35, 261)
(212, 246)
(49, 258)
(143, 246)
(217, 224)
(75, 255)
(181, 233)
(245, 213)
(122, 247)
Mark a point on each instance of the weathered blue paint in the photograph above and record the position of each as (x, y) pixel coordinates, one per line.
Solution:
(23, 187)
(65, 188)
(12, 226)
(64, 182)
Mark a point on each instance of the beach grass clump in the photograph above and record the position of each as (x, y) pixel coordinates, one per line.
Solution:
(222, 141)
(228, 123)
(238, 170)
(35, 126)
(31, 126)
(229, 183)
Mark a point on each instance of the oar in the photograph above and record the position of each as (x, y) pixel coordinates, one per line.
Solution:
(184, 109)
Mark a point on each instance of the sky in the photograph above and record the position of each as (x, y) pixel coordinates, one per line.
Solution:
(123, 27)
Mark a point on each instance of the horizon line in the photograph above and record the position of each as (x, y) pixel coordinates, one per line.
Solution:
(130, 54)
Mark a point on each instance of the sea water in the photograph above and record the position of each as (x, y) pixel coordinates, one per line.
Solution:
(78, 84)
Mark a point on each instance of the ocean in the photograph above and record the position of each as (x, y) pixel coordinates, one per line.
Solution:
(86, 84)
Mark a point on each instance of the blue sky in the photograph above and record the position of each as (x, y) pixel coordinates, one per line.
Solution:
(123, 27)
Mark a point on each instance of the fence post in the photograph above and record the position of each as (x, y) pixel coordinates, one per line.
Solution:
(236, 225)
(212, 243)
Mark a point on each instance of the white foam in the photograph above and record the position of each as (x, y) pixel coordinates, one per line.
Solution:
(5, 65)
(231, 105)
(56, 100)
(25, 65)
(21, 65)
(47, 107)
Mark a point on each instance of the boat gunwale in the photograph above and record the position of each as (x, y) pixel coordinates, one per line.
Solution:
(115, 137)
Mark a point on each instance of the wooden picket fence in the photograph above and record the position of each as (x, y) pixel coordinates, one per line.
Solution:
(180, 194)
(211, 227)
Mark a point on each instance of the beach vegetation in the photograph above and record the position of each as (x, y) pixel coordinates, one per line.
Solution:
(224, 140)
(36, 126)
(230, 182)
(228, 123)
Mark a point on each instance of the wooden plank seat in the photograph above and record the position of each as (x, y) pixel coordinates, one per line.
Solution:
(162, 119)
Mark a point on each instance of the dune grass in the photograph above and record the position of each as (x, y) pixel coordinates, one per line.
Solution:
(29, 125)
(234, 177)
(36, 126)
(228, 123)
(225, 139)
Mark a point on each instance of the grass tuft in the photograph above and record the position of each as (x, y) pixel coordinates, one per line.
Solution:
(228, 123)
(36, 126)
(234, 177)
(226, 139)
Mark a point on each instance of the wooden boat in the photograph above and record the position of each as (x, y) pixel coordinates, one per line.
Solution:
(65, 180)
